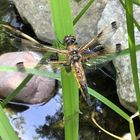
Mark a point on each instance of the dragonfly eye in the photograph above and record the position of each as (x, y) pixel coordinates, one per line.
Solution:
(70, 40)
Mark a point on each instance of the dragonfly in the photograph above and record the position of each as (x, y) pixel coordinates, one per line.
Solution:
(76, 55)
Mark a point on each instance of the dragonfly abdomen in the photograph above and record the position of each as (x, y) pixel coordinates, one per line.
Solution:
(78, 69)
(81, 80)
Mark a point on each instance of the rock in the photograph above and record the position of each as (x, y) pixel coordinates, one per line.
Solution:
(125, 88)
(38, 90)
(37, 13)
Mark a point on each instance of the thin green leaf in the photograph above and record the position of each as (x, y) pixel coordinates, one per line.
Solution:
(132, 49)
(6, 131)
(71, 105)
(132, 130)
(109, 104)
(82, 12)
(131, 41)
(16, 91)
(116, 109)
(63, 25)
(62, 17)
(34, 71)
(137, 2)
(135, 22)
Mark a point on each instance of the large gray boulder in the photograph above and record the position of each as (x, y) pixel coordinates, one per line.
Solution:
(124, 81)
(38, 15)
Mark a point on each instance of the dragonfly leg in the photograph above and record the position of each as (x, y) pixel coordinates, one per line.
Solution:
(35, 45)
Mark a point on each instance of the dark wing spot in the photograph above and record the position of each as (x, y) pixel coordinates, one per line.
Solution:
(20, 66)
(118, 47)
(98, 48)
(114, 25)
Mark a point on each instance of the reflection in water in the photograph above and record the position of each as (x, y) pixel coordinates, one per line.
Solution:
(7, 15)
(46, 122)
(3, 8)
(7, 12)
(28, 122)
(53, 128)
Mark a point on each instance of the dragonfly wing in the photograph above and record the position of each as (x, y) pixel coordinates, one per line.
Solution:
(34, 44)
(49, 66)
(99, 60)
(100, 55)
(107, 33)
(101, 38)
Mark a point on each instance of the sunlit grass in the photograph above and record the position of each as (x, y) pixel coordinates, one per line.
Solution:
(6, 131)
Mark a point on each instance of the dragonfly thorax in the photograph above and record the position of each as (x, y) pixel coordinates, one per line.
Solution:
(75, 56)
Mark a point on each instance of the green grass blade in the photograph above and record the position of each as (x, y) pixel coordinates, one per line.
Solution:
(34, 71)
(63, 25)
(16, 91)
(6, 131)
(132, 130)
(116, 109)
(137, 2)
(135, 22)
(62, 18)
(109, 104)
(131, 40)
(81, 13)
(71, 105)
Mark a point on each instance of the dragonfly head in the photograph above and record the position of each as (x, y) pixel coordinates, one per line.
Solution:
(69, 40)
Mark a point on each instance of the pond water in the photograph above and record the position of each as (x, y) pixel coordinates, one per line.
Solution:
(43, 122)
(30, 122)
